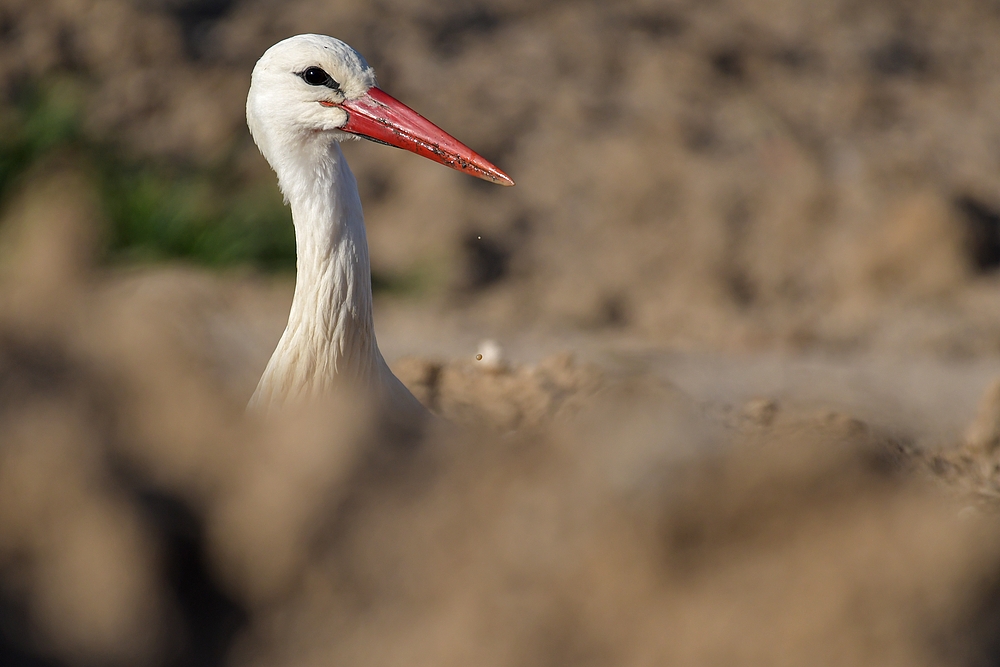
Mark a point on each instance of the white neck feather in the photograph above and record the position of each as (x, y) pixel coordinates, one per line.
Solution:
(330, 335)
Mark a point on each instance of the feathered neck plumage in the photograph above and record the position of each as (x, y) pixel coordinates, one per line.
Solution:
(330, 335)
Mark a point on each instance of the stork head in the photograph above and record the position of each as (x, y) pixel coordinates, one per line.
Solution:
(313, 87)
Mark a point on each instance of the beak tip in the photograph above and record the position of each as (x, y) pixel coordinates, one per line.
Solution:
(494, 175)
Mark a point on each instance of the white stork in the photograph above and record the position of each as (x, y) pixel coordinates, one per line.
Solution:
(307, 94)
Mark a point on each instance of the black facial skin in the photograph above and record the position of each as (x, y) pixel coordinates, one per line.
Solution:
(315, 76)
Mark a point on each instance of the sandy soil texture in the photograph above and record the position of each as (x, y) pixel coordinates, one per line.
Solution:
(747, 293)
(726, 175)
(570, 508)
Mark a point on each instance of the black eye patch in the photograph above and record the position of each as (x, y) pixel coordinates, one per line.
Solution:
(315, 76)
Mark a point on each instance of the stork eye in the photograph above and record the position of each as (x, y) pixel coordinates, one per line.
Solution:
(315, 76)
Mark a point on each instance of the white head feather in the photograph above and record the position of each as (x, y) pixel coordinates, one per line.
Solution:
(283, 111)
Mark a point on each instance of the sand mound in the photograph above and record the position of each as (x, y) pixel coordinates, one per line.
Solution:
(564, 515)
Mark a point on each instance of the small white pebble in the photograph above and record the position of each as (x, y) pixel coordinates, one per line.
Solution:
(490, 354)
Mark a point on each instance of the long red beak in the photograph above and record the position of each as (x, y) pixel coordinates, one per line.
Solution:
(382, 118)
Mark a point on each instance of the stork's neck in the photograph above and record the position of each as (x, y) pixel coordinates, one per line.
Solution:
(330, 335)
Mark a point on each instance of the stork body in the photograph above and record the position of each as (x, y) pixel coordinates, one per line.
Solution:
(307, 94)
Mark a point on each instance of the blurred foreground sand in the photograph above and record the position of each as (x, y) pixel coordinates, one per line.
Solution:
(569, 512)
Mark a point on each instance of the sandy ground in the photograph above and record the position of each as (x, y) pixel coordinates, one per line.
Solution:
(933, 397)
(736, 176)
(593, 499)
(930, 395)
(750, 314)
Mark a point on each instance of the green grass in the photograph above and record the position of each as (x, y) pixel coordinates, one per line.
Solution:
(159, 213)
(155, 211)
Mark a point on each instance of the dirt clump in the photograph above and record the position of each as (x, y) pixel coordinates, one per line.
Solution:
(565, 514)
